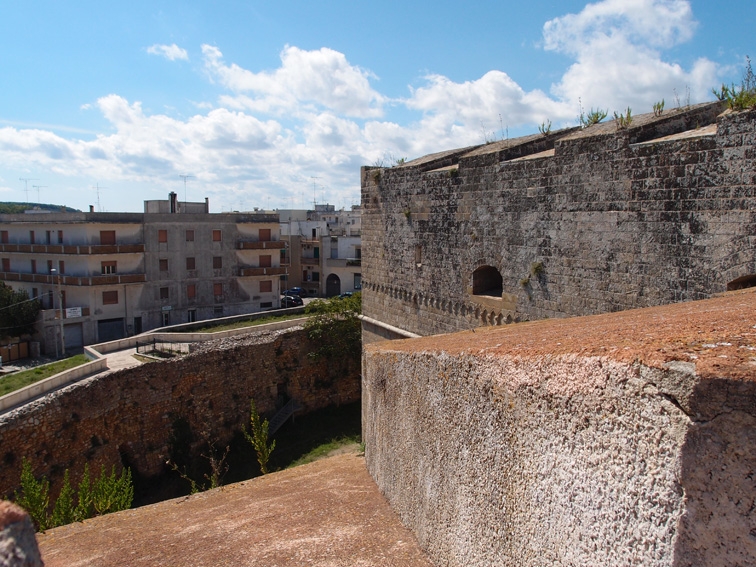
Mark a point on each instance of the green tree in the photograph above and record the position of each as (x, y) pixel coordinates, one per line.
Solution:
(335, 327)
(34, 496)
(258, 436)
(17, 312)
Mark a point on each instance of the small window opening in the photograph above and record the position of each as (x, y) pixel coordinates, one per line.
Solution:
(742, 282)
(487, 281)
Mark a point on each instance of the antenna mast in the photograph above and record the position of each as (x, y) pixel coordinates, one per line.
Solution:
(185, 177)
(38, 187)
(97, 188)
(26, 185)
(313, 190)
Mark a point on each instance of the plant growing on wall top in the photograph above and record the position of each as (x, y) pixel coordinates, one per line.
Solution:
(742, 97)
(545, 127)
(593, 117)
(623, 120)
(659, 108)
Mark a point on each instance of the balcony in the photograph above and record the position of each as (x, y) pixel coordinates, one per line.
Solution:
(310, 261)
(261, 244)
(112, 279)
(277, 271)
(75, 250)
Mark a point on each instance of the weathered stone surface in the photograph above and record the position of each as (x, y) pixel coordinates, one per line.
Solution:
(18, 546)
(605, 220)
(127, 417)
(619, 439)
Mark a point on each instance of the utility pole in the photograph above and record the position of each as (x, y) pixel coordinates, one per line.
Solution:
(26, 185)
(54, 272)
(38, 187)
(185, 177)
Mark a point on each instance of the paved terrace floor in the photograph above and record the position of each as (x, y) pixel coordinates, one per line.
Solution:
(327, 514)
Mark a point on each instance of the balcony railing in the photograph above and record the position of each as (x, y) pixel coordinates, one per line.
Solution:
(261, 244)
(277, 271)
(310, 261)
(111, 279)
(77, 250)
(343, 262)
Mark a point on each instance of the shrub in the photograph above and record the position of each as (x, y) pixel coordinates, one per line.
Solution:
(743, 97)
(258, 436)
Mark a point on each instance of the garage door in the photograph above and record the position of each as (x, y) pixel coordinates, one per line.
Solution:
(74, 335)
(110, 330)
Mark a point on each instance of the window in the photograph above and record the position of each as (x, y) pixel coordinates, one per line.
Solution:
(217, 262)
(49, 267)
(31, 237)
(217, 289)
(486, 280)
(218, 311)
(264, 235)
(166, 318)
(265, 304)
(163, 293)
(48, 237)
(190, 236)
(266, 286)
(216, 235)
(4, 236)
(191, 315)
(107, 237)
(162, 235)
(6, 264)
(33, 266)
(163, 264)
(60, 237)
(108, 267)
(63, 298)
(190, 263)
(266, 261)
(35, 293)
(61, 267)
(109, 297)
(358, 253)
(357, 281)
(191, 291)
(316, 276)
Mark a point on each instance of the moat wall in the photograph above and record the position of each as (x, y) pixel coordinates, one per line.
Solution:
(576, 222)
(128, 416)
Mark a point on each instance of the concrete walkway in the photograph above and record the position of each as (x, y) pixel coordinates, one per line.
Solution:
(121, 359)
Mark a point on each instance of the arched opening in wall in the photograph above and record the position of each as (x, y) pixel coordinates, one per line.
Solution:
(487, 281)
(742, 282)
(333, 285)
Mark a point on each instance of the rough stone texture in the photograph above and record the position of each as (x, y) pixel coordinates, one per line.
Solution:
(617, 439)
(18, 546)
(577, 222)
(325, 514)
(126, 417)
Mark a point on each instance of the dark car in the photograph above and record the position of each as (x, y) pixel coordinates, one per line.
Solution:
(345, 295)
(291, 301)
(295, 291)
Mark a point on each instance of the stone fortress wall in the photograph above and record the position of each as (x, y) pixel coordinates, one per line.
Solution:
(575, 222)
(128, 416)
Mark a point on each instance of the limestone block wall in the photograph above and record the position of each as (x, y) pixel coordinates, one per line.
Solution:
(620, 439)
(577, 222)
(128, 416)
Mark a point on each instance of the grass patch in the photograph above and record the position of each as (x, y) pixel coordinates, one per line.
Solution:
(18, 380)
(325, 449)
(246, 323)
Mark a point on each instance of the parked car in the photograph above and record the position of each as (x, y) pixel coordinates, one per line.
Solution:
(297, 291)
(291, 301)
(345, 294)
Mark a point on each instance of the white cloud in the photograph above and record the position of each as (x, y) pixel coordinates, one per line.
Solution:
(171, 52)
(314, 79)
(617, 47)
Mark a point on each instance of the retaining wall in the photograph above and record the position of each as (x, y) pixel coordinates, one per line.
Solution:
(621, 439)
(128, 416)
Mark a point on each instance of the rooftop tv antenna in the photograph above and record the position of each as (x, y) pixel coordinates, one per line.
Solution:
(26, 185)
(185, 177)
(38, 187)
(314, 186)
(97, 188)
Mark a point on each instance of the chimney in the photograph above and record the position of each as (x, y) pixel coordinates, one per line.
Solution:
(207, 204)
(91, 208)
(172, 200)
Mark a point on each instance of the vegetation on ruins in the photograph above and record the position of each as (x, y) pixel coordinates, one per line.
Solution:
(18, 313)
(334, 327)
(659, 108)
(545, 128)
(258, 436)
(740, 97)
(104, 494)
(623, 120)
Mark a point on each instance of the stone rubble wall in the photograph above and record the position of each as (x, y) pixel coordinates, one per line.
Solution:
(611, 220)
(127, 416)
(561, 460)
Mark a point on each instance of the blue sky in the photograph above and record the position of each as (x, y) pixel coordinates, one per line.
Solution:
(274, 104)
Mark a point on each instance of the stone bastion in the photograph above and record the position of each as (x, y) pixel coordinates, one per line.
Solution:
(620, 439)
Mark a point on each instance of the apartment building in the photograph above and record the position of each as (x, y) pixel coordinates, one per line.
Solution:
(112, 275)
(325, 249)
